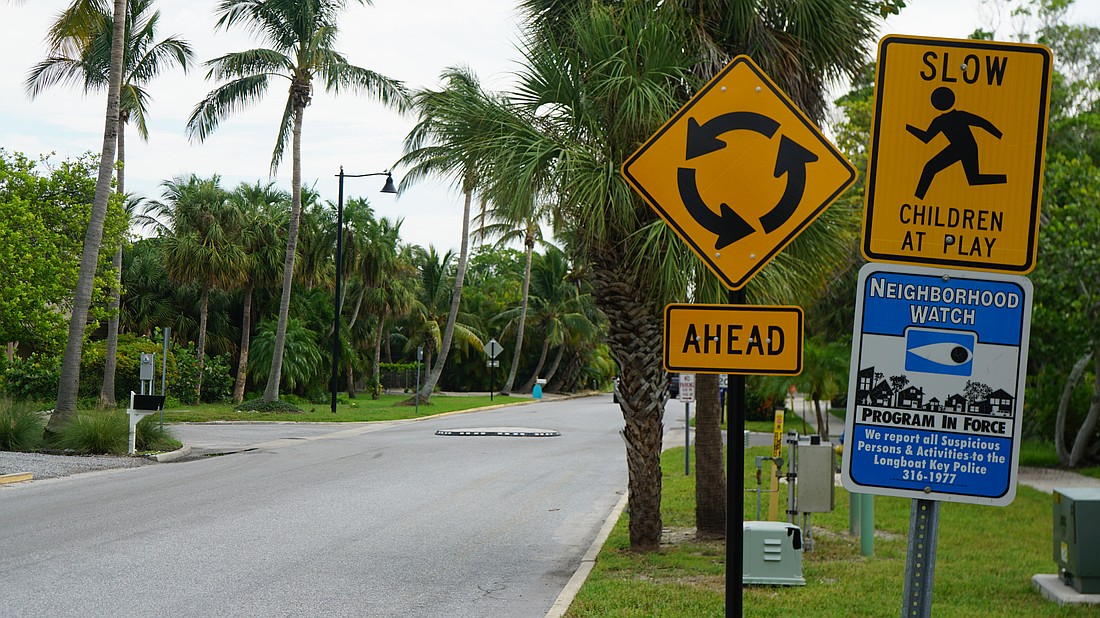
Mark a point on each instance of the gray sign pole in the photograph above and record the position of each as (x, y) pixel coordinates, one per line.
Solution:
(687, 438)
(920, 560)
(164, 371)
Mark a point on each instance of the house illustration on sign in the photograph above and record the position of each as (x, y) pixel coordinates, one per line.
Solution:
(911, 397)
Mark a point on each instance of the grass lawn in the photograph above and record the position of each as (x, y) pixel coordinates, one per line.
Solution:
(985, 559)
(388, 408)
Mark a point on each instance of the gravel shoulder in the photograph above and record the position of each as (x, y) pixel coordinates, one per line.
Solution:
(44, 466)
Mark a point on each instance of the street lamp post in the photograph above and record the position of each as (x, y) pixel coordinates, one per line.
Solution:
(387, 188)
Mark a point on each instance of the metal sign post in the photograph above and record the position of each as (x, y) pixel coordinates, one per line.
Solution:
(920, 559)
(493, 349)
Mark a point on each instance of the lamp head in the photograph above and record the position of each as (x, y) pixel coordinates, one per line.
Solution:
(388, 187)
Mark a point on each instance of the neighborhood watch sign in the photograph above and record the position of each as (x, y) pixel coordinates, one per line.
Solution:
(937, 384)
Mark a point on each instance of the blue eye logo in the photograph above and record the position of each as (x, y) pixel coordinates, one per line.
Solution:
(938, 351)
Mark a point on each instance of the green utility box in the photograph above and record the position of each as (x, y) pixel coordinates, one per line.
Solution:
(773, 554)
(1077, 538)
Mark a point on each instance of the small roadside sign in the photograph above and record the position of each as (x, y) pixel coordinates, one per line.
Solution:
(493, 348)
(936, 391)
(737, 339)
(738, 172)
(955, 169)
(687, 387)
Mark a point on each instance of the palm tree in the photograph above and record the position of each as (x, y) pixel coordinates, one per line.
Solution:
(301, 35)
(262, 208)
(509, 225)
(599, 78)
(87, 61)
(431, 312)
(202, 244)
(556, 309)
(450, 120)
(80, 12)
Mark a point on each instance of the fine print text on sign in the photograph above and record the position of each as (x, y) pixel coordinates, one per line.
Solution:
(956, 162)
(937, 384)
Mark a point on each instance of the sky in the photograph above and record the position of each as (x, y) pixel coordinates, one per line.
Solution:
(409, 40)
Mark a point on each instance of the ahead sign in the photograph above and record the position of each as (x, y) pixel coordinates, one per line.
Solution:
(955, 173)
(738, 339)
(738, 172)
(935, 398)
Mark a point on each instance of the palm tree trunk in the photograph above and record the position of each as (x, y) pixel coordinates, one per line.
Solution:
(1072, 381)
(376, 365)
(69, 382)
(1088, 427)
(529, 248)
(204, 316)
(425, 393)
(274, 376)
(351, 382)
(635, 336)
(554, 364)
(710, 475)
(246, 339)
(530, 384)
(110, 360)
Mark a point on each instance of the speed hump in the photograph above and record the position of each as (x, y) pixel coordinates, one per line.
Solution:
(955, 172)
(737, 339)
(738, 172)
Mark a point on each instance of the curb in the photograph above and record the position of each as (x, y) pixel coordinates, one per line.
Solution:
(175, 455)
(17, 477)
(588, 562)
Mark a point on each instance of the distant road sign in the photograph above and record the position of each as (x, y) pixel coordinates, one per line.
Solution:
(738, 172)
(955, 173)
(738, 339)
(936, 392)
(492, 348)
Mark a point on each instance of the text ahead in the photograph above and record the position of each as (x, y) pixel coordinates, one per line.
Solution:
(737, 339)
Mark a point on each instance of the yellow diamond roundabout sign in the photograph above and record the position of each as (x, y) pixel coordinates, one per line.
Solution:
(739, 172)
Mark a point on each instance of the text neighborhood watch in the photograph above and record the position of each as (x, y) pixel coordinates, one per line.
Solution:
(881, 288)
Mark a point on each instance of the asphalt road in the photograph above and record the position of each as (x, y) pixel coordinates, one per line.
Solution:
(361, 520)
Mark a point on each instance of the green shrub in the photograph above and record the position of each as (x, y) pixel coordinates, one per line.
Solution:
(217, 377)
(127, 362)
(21, 426)
(95, 433)
(34, 378)
(259, 405)
(152, 436)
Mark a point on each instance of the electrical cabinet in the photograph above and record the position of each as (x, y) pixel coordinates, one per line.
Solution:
(816, 466)
(772, 554)
(1077, 538)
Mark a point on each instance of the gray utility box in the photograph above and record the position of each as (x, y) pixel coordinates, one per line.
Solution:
(773, 554)
(1077, 538)
(816, 466)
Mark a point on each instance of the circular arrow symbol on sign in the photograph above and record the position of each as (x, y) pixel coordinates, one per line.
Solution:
(728, 225)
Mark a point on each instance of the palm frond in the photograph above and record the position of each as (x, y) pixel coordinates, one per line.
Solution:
(222, 101)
